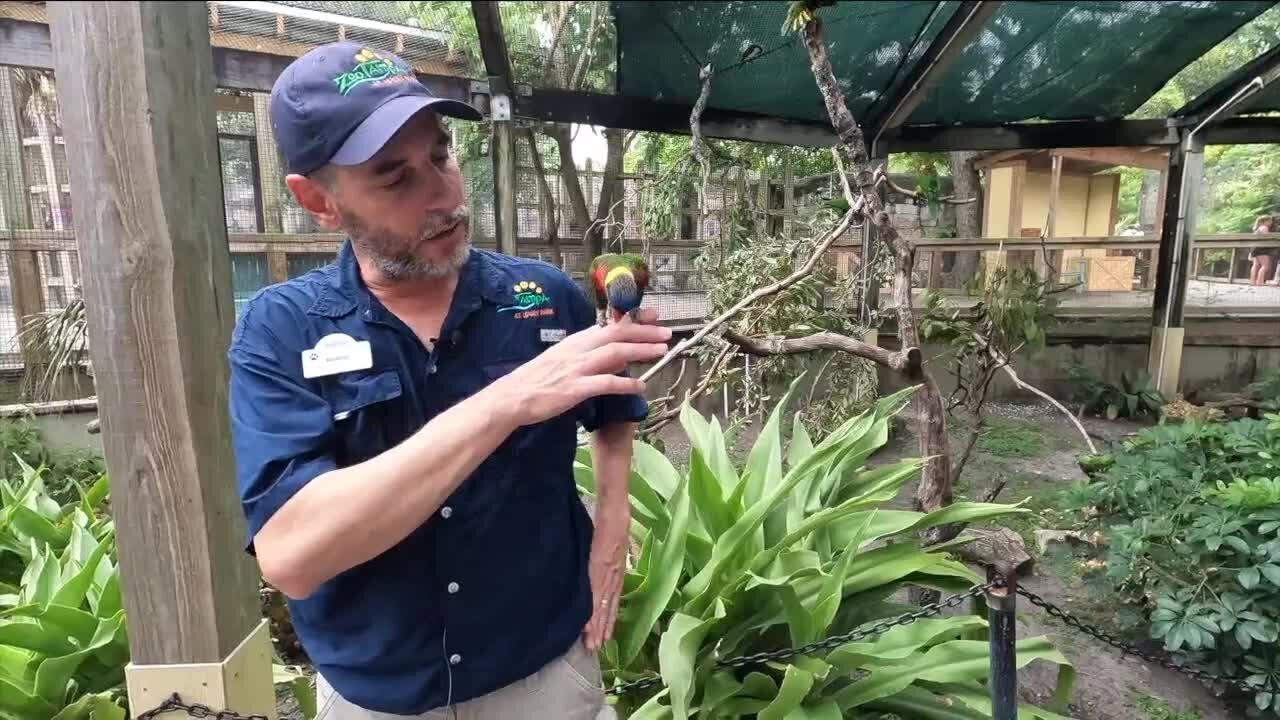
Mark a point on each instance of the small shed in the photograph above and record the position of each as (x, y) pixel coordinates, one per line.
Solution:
(1064, 194)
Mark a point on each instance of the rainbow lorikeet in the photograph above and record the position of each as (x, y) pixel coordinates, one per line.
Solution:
(618, 282)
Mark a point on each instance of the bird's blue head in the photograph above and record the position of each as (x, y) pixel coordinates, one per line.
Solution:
(623, 293)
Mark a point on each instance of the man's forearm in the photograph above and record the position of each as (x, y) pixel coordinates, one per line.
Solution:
(348, 516)
(611, 458)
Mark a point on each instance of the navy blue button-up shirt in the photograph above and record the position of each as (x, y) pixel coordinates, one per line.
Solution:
(495, 584)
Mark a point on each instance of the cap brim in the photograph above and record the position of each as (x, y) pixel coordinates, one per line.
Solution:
(383, 123)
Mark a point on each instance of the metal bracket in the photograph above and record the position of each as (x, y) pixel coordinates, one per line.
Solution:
(500, 107)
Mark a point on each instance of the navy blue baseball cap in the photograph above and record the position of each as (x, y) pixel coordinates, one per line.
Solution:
(341, 102)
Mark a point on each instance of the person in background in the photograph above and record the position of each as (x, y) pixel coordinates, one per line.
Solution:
(1262, 256)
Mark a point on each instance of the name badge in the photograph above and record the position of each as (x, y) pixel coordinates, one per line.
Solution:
(336, 353)
(552, 335)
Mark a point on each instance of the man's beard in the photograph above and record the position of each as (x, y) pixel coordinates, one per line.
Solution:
(393, 255)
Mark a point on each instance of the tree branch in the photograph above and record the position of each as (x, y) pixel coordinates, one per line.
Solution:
(903, 362)
(949, 200)
(1003, 363)
(795, 277)
(666, 416)
(556, 35)
(578, 72)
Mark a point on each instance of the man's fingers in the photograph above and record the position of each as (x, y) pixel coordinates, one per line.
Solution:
(615, 357)
(597, 385)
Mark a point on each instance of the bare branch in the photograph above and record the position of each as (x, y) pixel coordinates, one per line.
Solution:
(795, 277)
(917, 196)
(902, 362)
(578, 72)
(556, 35)
(1003, 362)
(666, 416)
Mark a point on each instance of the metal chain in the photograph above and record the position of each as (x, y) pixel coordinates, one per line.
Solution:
(829, 643)
(195, 710)
(1202, 675)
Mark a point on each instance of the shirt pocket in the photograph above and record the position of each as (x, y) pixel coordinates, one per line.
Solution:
(368, 413)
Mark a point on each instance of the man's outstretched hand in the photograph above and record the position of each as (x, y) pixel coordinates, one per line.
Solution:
(583, 365)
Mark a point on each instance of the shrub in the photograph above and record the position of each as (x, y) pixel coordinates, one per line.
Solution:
(1198, 543)
(1133, 397)
(793, 546)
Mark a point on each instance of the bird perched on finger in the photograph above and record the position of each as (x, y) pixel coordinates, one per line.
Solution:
(618, 284)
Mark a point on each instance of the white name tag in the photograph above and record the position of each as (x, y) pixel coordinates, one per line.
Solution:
(336, 353)
(552, 335)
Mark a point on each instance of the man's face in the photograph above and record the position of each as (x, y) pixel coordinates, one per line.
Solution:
(404, 208)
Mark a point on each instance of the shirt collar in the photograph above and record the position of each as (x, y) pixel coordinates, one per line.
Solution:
(346, 292)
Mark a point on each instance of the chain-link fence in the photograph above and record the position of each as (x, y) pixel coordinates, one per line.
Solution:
(1002, 652)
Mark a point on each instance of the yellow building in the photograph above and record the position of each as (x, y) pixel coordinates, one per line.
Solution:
(1066, 196)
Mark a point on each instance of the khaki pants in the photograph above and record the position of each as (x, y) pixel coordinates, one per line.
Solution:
(567, 688)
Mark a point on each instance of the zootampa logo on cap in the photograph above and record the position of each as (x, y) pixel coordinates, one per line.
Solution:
(371, 67)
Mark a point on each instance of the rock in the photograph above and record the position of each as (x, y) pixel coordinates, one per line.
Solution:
(1044, 537)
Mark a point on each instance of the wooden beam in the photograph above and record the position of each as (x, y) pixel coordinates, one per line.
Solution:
(1055, 186)
(1265, 67)
(1158, 159)
(998, 158)
(157, 287)
(238, 62)
(960, 29)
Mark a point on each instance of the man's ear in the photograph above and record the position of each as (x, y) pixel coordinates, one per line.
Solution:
(315, 199)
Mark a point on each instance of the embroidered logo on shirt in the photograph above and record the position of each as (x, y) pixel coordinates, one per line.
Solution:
(530, 302)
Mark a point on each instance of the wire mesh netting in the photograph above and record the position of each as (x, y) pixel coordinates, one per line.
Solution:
(1036, 60)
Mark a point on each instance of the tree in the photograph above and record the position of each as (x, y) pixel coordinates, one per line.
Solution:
(557, 43)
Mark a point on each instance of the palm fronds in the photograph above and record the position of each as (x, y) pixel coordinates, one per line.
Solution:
(58, 341)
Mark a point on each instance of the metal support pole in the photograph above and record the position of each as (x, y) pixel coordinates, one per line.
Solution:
(1002, 622)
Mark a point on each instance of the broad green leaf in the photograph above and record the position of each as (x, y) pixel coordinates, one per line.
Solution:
(700, 587)
(53, 674)
(900, 642)
(22, 703)
(900, 522)
(796, 684)
(954, 661)
(654, 467)
(758, 685)
(35, 635)
(918, 703)
(653, 709)
(665, 570)
(585, 478)
(828, 600)
(77, 623)
(976, 696)
(40, 579)
(800, 446)
(96, 494)
(32, 524)
(706, 438)
(706, 496)
(719, 687)
(93, 707)
(652, 509)
(678, 652)
(109, 600)
(73, 590)
(825, 710)
(764, 465)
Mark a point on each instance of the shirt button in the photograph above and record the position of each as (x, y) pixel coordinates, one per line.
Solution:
(454, 659)
(453, 588)
(432, 370)
(446, 512)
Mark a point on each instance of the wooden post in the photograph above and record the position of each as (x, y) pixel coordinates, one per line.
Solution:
(1055, 186)
(136, 89)
(13, 190)
(270, 177)
(1182, 196)
(502, 149)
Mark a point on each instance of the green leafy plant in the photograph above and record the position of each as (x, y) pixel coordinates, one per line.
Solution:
(63, 645)
(1196, 543)
(1134, 397)
(793, 546)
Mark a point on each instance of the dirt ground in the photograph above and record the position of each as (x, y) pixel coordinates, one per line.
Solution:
(1033, 448)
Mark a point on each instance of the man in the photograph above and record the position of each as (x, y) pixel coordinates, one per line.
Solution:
(405, 421)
